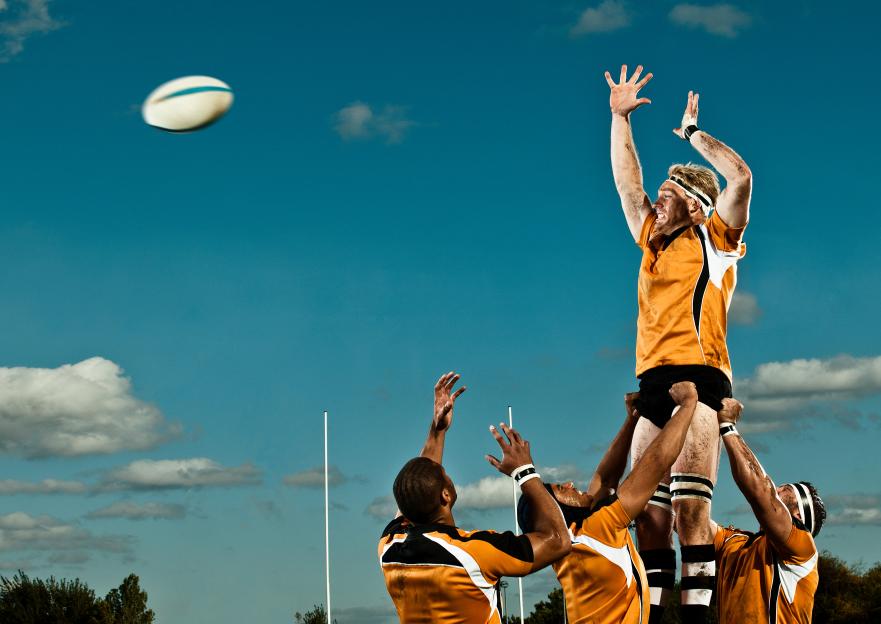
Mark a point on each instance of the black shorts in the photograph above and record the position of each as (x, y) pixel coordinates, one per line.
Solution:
(655, 402)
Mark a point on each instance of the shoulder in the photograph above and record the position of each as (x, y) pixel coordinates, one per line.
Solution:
(395, 527)
(799, 546)
(508, 543)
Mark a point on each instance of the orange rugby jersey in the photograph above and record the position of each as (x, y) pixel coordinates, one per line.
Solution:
(440, 573)
(685, 288)
(757, 582)
(603, 578)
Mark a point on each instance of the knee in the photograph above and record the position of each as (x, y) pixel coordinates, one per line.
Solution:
(654, 528)
(692, 516)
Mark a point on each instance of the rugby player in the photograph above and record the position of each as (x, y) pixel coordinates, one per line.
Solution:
(436, 572)
(768, 577)
(603, 578)
(690, 238)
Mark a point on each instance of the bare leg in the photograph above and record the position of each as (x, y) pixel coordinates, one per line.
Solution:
(694, 475)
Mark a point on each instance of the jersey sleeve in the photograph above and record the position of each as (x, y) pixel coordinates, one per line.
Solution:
(646, 232)
(607, 523)
(799, 547)
(725, 238)
(500, 554)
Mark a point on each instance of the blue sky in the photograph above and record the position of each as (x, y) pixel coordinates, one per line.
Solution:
(399, 190)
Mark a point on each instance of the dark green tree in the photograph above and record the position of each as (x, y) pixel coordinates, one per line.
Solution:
(126, 604)
(24, 600)
(316, 615)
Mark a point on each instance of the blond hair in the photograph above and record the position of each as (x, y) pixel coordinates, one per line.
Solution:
(698, 177)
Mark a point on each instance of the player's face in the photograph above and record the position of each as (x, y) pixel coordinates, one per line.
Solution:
(568, 494)
(788, 497)
(671, 206)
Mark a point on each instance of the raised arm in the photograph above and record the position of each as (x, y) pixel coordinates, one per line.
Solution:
(733, 203)
(639, 485)
(625, 162)
(550, 538)
(757, 487)
(443, 416)
(611, 467)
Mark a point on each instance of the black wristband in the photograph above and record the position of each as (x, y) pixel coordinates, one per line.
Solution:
(689, 131)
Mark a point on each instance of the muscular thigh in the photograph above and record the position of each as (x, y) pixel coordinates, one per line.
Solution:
(700, 454)
(643, 435)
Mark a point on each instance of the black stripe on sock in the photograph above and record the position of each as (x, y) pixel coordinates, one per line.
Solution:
(692, 479)
(698, 582)
(701, 553)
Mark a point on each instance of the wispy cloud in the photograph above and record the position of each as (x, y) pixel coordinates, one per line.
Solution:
(144, 511)
(744, 308)
(779, 391)
(314, 478)
(853, 509)
(359, 121)
(22, 532)
(725, 20)
(380, 614)
(382, 508)
(76, 409)
(19, 19)
(46, 486)
(168, 474)
(609, 15)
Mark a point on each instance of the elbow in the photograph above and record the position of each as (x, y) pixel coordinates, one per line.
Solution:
(562, 544)
(743, 177)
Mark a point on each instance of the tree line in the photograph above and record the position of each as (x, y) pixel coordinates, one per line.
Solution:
(26, 600)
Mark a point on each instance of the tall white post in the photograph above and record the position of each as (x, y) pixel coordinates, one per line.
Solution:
(326, 523)
(516, 525)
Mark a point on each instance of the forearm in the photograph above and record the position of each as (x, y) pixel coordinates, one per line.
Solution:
(625, 161)
(611, 467)
(758, 489)
(724, 159)
(661, 453)
(434, 445)
(550, 536)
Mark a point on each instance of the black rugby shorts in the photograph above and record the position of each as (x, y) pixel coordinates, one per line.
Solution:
(655, 402)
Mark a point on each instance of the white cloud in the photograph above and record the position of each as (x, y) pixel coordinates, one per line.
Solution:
(314, 478)
(198, 472)
(76, 409)
(779, 394)
(744, 308)
(359, 121)
(382, 508)
(145, 511)
(24, 18)
(852, 517)
(853, 509)
(46, 486)
(607, 16)
(487, 493)
(724, 20)
(20, 531)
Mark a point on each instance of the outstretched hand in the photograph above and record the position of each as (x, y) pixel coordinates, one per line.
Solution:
(443, 400)
(730, 412)
(689, 117)
(515, 450)
(622, 98)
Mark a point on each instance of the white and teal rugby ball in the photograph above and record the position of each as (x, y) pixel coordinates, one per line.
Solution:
(187, 104)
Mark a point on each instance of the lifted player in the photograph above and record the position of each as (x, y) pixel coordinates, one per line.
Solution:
(690, 239)
(603, 578)
(769, 576)
(436, 572)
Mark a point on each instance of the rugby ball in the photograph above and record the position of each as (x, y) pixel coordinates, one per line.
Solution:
(187, 104)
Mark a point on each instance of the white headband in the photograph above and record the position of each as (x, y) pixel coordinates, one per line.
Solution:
(805, 506)
(702, 199)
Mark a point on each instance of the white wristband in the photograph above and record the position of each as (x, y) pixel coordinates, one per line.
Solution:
(728, 429)
(534, 475)
(520, 469)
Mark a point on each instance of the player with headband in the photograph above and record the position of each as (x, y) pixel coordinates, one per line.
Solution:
(690, 238)
(769, 576)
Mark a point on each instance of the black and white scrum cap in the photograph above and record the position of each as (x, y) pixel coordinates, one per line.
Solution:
(805, 506)
(692, 192)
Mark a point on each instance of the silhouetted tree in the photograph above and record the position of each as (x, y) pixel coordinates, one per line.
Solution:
(317, 615)
(126, 604)
(24, 600)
